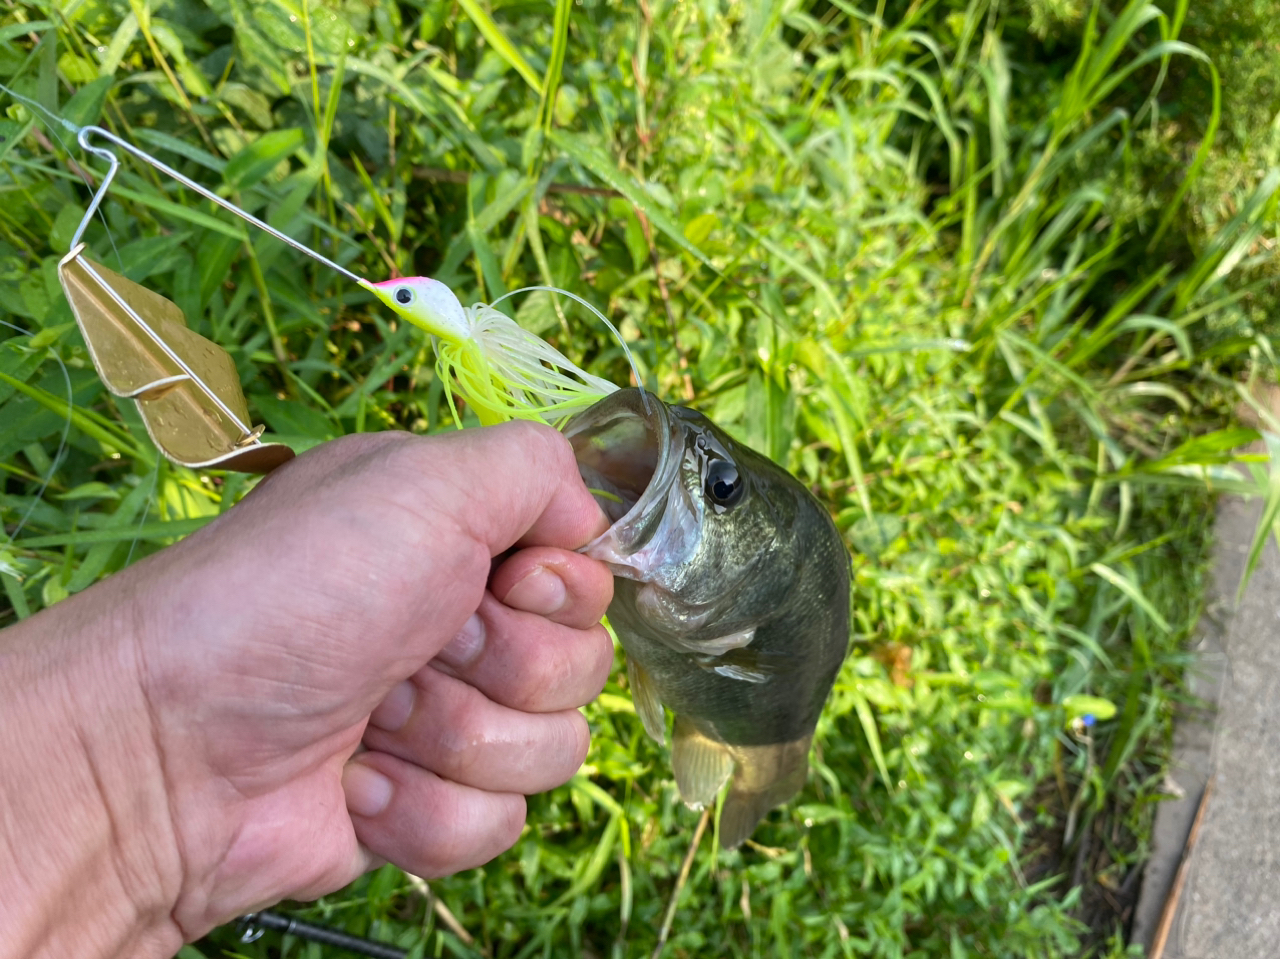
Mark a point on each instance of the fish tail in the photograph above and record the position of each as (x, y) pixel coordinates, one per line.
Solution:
(766, 776)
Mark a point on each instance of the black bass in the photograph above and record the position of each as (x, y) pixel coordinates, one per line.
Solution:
(731, 598)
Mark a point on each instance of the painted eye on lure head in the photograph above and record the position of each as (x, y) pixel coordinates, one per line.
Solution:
(499, 368)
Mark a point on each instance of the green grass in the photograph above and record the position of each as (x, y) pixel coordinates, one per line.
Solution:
(938, 259)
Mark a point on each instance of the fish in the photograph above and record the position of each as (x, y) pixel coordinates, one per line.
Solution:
(732, 589)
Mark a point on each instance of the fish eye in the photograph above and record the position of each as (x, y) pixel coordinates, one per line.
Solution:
(404, 295)
(723, 483)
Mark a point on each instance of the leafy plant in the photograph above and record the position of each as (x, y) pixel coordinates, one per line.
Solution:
(881, 245)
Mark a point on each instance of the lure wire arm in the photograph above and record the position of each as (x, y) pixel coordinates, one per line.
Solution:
(113, 167)
(87, 132)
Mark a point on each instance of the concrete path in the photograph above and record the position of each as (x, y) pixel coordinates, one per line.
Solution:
(1229, 907)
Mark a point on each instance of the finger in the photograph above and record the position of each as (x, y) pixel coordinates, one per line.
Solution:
(522, 485)
(526, 661)
(426, 825)
(455, 731)
(567, 588)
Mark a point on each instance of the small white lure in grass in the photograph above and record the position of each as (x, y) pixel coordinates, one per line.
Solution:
(501, 369)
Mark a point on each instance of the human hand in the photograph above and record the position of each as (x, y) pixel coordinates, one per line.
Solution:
(344, 601)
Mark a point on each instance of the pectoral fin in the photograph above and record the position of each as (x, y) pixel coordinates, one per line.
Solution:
(746, 664)
(645, 698)
(766, 776)
(740, 673)
(722, 644)
(675, 639)
(701, 764)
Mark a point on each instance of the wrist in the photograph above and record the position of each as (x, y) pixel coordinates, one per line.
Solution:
(85, 822)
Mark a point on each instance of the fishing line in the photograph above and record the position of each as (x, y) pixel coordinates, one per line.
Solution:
(49, 115)
(62, 445)
(146, 508)
(68, 126)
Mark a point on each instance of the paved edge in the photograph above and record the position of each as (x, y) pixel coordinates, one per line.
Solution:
(1191, 762)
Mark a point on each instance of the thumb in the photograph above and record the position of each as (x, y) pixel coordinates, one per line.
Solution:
(526, 489)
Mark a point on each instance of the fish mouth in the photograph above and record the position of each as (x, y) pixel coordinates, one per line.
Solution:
(629, 454)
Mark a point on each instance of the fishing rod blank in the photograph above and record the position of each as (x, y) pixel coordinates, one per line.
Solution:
(255, 922)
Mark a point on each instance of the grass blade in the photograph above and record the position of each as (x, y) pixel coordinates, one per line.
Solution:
(1130, 589)
(604, 167)
(498, 40)
(146, 531)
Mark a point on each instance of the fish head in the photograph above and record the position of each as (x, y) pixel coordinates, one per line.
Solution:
(694, 515)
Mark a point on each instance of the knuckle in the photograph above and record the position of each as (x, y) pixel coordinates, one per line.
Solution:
(570, 669)
(550, 443)
(537, 437)
(457, 746)
(485, 829)
(591, 591)
(604, 597)
(544, 682)
(527, 693)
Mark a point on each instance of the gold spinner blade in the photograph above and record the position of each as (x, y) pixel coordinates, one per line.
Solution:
(186, 387)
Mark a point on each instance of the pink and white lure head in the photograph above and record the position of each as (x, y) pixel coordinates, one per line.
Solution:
(426, 303)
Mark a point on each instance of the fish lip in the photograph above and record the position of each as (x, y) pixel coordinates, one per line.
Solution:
(623, 545)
